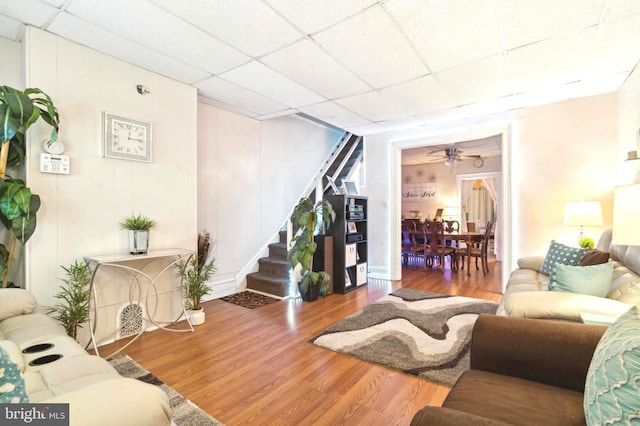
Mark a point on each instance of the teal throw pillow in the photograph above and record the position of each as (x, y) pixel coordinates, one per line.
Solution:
(559, 253)
(594, 279)
(613, 379)
(12, 390)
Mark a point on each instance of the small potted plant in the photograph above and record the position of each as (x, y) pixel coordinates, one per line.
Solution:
(138, 227)
(308, 217)
(73, 310)
(194, 275)
(586, 242)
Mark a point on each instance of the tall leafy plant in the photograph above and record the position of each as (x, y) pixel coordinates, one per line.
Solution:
(73, 309)
(18, 205)
(196, 273)
(308, 217)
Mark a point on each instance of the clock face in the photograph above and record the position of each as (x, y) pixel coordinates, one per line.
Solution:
(478, 162)
(127, 138)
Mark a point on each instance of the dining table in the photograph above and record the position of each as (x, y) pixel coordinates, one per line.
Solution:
(469, 238)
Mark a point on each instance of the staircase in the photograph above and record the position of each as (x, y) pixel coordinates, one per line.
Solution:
(273, 271)
(343, 162)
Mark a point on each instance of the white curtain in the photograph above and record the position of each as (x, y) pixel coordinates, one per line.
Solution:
(465, 192)
(491, 186)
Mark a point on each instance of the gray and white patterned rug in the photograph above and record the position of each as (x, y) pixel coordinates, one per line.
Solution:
(185, 412)
(423, 334)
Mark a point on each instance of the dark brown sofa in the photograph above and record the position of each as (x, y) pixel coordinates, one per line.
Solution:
(523, 372)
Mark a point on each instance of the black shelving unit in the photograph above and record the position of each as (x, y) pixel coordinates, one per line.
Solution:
(349, 242)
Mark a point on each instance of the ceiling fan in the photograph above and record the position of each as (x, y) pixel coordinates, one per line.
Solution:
(451, 155)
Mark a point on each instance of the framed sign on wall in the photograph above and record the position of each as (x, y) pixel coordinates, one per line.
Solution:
(425, 191)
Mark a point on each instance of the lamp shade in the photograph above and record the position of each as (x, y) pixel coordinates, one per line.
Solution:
(626, 206)
(451, 212)
(583, 213)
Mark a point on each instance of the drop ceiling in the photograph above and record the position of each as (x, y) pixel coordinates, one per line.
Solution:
(361, 65)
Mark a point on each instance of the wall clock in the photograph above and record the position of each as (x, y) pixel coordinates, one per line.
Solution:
(478, 162)
(126, 138)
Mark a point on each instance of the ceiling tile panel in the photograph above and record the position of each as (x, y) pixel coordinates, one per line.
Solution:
(267, 82)
(616, 48)
(248, 25)
(618, 9)
(372, 106)
(477, 81)
(418, 96)
(155, 28)
(10, 28)
(238, 97)
(448, 33)
(56, 3)
(309, 65)
(333, 113)
(312, 16)
(551, 62)
(73, 28)
(373, 48)
(32, 12)
(525, 22)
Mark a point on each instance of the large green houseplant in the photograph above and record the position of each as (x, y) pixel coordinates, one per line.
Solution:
(308, 217)
(18, 206)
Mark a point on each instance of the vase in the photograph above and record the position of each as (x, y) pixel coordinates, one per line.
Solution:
(311, 294)
(138, 241)
(196, 316)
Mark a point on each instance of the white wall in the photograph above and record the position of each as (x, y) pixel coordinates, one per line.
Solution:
(446, 179)
(80, 212)
(629, 127)
(251, 175)
(11, 70)
(559, 152)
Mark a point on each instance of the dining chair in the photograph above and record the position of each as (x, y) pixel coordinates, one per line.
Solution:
(437, 250)
(481, 252)
(411, 250)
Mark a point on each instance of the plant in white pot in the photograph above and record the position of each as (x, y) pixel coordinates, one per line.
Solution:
(138, 227)
(194, 275)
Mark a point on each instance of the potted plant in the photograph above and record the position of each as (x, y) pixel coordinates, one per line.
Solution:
(18, 206)
(138, 227)
(586, 242)
(73, 309)
(308, 217)
(195, 274)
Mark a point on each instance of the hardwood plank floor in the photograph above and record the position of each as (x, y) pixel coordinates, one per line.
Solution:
(255, 366)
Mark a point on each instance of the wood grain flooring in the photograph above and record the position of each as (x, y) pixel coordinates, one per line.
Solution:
(255, 366)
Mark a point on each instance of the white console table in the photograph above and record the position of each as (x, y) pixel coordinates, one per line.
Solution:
(131, 264)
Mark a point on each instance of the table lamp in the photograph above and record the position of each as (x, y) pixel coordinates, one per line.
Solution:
(450, 212)
(583, 213)
(626, 206)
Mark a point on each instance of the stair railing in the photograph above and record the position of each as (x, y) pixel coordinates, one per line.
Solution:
(317, 186)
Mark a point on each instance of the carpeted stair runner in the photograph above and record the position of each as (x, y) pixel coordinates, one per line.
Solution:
(273, 271)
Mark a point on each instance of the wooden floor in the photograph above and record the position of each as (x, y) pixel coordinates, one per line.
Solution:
(255, 366)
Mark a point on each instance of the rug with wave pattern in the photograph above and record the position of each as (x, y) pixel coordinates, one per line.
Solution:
(423, 334)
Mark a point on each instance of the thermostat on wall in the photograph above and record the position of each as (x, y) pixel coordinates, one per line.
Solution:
(58, 164)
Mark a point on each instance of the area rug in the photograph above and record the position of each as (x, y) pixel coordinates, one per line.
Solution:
(249, 299)
(423, 334)
(185, 412)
